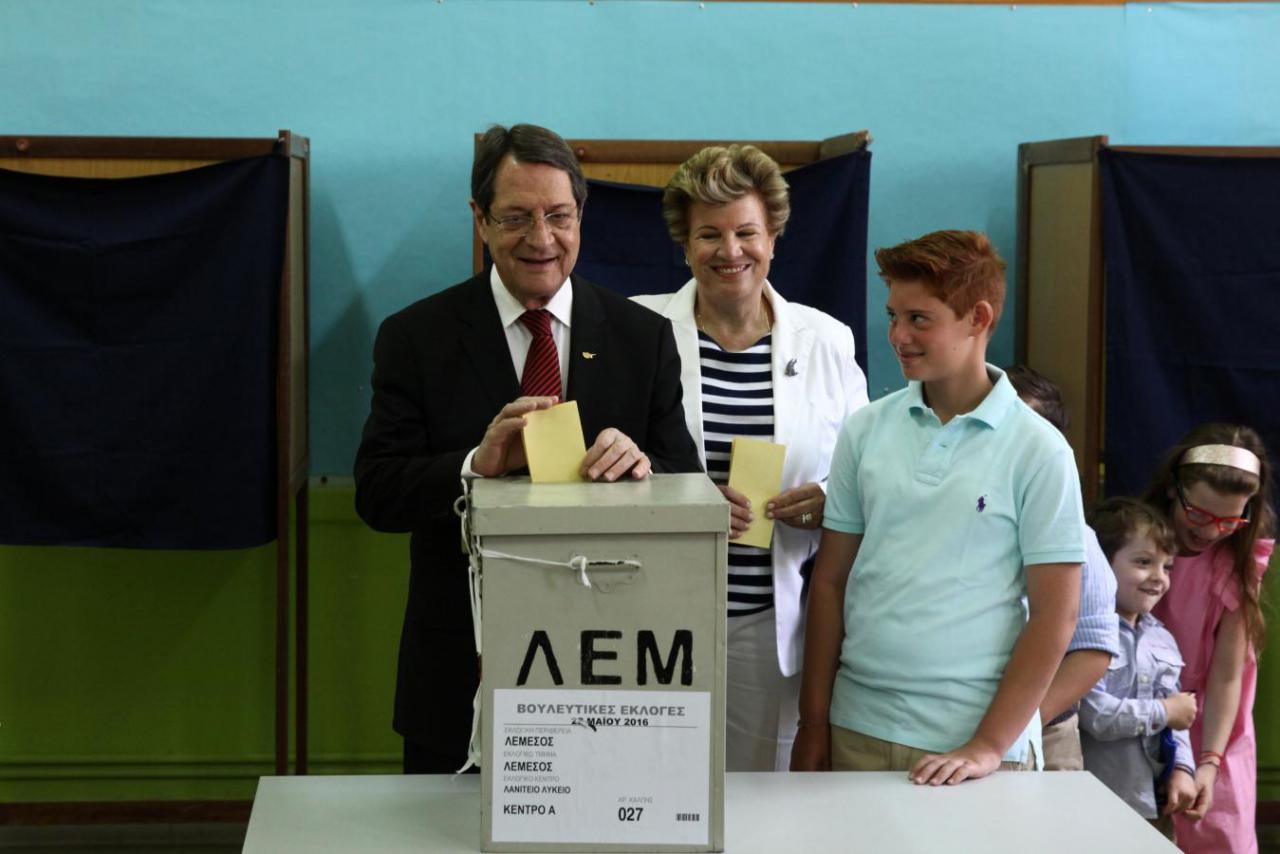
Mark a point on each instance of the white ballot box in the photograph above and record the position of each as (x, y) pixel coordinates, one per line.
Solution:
(603, 664)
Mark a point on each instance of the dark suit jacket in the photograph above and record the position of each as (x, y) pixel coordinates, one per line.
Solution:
(442, 370)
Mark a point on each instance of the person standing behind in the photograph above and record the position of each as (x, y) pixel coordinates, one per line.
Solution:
(948, 577)
(1096, 639)
(454, 375)
(756, 365)
(1215, 485)
(1133, 723)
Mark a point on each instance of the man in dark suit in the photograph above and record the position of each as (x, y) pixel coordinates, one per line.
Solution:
(454, 375)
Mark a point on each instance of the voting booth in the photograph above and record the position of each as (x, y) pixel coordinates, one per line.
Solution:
(602, 635)
(1136, 265)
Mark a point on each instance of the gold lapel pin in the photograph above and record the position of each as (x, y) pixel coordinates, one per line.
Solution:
(587, 355)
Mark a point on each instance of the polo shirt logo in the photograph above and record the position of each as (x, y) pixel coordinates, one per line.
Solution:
(982, 503)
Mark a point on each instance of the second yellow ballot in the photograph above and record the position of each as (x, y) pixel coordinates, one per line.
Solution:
(755, 470)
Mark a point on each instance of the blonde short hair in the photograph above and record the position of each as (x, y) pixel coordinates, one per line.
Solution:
(718, 175)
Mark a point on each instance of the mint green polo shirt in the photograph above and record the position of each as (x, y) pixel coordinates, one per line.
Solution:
(952, 516)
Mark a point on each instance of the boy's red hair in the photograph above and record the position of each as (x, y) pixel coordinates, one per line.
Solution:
(958, 267)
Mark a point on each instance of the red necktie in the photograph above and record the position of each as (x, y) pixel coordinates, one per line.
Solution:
(542, 366)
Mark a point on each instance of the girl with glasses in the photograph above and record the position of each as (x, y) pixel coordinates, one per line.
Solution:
(1215, 485)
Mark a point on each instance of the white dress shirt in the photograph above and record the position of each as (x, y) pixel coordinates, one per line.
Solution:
(519, 338)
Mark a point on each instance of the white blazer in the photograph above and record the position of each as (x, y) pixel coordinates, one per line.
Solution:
(816, 385)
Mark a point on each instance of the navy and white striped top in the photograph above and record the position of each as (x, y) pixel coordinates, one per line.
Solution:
(737, 400)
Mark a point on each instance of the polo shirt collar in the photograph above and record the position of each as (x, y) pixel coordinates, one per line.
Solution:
(993, 410)
(999, 402)
(915, 398)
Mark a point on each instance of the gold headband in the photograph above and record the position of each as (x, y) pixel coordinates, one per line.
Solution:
(1223, 455)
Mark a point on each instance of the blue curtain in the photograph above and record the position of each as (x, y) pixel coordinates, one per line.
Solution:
(138, 329)
(821, 257)
(1192, 255)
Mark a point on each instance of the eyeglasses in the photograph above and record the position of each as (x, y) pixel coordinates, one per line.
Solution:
(1199, 517)
(524, 223)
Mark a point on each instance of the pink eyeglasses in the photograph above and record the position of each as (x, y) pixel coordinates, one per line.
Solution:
(1199, 517)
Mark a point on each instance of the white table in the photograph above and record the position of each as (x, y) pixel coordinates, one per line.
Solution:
(773, 813)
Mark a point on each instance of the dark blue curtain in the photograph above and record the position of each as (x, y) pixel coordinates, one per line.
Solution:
(1192, 254)
(821, 257)
(138, 328)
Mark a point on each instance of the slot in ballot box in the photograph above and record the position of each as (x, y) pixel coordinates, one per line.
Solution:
(603, 663)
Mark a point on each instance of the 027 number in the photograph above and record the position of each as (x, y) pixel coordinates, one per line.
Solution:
(629, 813)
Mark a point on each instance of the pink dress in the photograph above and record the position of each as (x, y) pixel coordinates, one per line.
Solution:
(1201, 588)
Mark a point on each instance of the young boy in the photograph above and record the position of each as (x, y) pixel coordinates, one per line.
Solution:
(1123, 717)
(948, 503)
(1096, 639)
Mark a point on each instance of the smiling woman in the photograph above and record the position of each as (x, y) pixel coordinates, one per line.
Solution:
(754, 364)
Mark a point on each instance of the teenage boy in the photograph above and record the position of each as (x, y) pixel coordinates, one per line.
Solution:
(947, 580)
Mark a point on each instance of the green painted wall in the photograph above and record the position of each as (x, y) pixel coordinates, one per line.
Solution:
(149, 675)
(1267, 704)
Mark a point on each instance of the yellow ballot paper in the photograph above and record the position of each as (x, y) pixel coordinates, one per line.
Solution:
(755, 470)
(553, 443)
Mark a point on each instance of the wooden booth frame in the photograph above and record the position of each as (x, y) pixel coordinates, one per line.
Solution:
(124, 157)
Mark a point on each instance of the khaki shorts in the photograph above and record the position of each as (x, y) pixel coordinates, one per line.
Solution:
(1062, 746)
(853, 751)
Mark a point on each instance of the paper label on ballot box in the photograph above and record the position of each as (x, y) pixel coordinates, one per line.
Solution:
(601, 766)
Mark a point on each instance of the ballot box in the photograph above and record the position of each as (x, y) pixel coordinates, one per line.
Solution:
(603, 663)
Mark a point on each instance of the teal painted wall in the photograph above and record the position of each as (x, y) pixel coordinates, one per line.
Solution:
(391, 92)
(127, 674)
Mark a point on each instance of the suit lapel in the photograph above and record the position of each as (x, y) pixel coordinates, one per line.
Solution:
(679, 310)
(587, 345)
(486, 343)
(792, 343)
